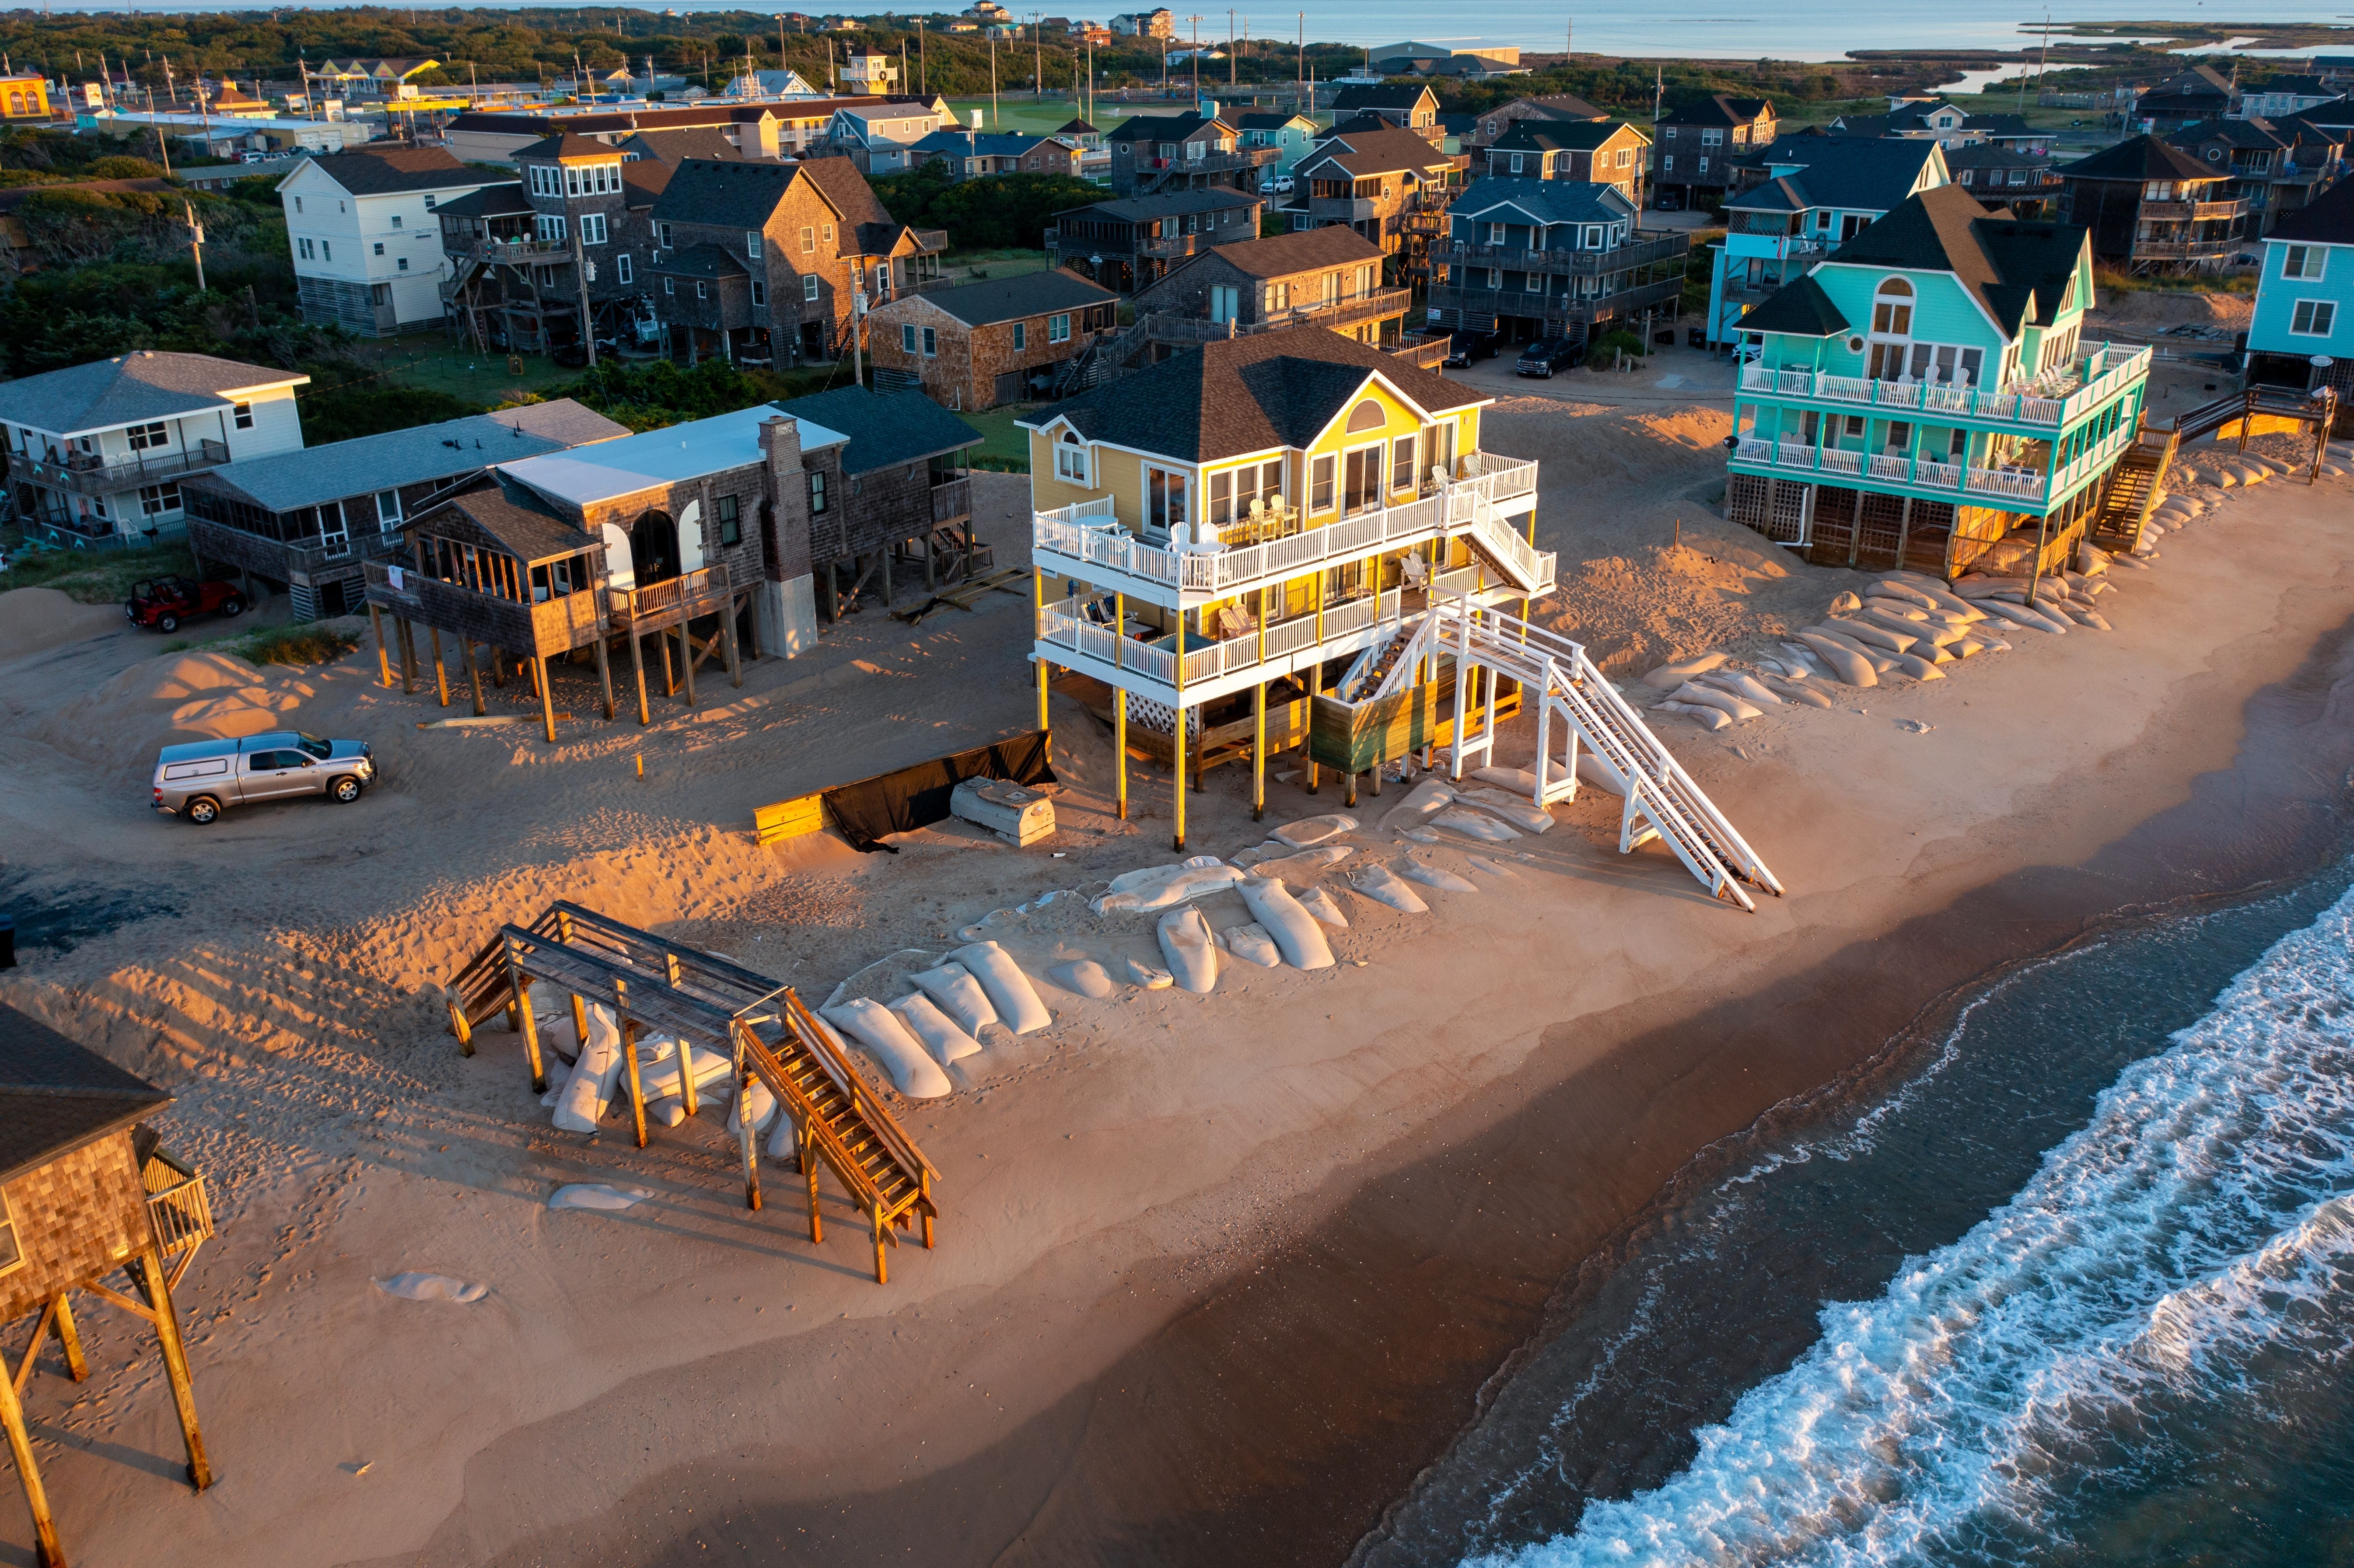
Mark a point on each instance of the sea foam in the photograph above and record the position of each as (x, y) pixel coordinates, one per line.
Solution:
(2189, 1251)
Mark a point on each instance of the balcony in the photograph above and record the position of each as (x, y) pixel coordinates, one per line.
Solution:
(930, 241)
(1342, 209)
(1085, 540)
(516, 252)
(1211, 163)
(1575, 263)
(2048, 403)
(1566, 309)
(1427, 355)
(2189, 211)
(2186, 249)
(670, 602)
(2009, 489)
(87, 473)
(951, 500)
(1179, 244)
(554, 625)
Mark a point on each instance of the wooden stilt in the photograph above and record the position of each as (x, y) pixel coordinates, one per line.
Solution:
(1258, 752)
(638, 666)
(473, 675)
(580, 1021)
(670, 677)
(457, 1025)
(1119, 743)
(528, 1025)
(923, 1185)
(605, 677)
(47, 1551)
(751, 1141)
(931, 554)
(1351, 797)
(175, 1365)
(69, 1337)
(882, 1270)
(407, 657)
(498, 667)
(440, 670)
(546, 702)
(727, 631)
(383, 658)
(1315, 689)
(637, 1084)
(1038, 580)
(807, 1145)
(1177, 752)
(686, 657)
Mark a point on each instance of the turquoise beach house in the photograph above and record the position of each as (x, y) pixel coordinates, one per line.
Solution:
(1922, 398)
(2304, 299)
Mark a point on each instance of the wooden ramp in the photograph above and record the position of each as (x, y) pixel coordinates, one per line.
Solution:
(2131, 489)
(2317, 409)
(713, 1003)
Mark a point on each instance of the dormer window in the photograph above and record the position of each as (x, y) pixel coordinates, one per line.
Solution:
(1071, 458)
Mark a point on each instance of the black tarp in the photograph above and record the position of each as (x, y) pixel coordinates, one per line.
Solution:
(914, 797)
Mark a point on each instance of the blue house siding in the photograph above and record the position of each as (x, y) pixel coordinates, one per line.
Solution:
(2278, 294)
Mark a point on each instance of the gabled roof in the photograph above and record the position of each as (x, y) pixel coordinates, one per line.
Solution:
(1246, 395)
(150, 383)
(2328, 220)
(643, 181)
(2142, 158)
(1857, 173)
(2017, 270)
(982, 143)
(1545, 201)
(1561, 135)
(1994, 155)
(1785, 194)
(1301, 250)
(2330, 121)
(884, 429)
(1171, 204)
(2197, 82)
(849, 193)
(1557, 106)
(1270, 119)
(1016, 297)
(1386, 151)
(1719, 108)
(702, 261)
(567, 144)
(1075, 128)
(676, 146)
(2257, 133)
(56, 1096)
(1404, 97)
(505, 200)
(1166, 127)
(1800, 307)
(284, 481)
(510, 519)
(2298, 86)
(394, 171)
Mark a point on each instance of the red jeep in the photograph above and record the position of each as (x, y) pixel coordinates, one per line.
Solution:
(162, 603)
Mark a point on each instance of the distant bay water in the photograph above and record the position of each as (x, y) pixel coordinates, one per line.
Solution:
(1824, 30)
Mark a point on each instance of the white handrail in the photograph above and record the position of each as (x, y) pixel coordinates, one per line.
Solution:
(2030, 400)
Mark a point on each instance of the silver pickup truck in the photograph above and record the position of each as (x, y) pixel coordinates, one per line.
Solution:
(201, 780)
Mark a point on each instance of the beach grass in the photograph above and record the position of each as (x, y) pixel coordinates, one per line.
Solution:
(1003, 447)
(480, 379)
(97, 577)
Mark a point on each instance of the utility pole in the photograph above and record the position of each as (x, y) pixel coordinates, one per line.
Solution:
(1197, 57)
(923, 66)
(993, 121)
(1300, 71)
(197, 241)
(1568, 40)
(161, 150)
(1233, 65)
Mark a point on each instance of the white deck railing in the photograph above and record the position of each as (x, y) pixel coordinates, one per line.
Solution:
(1157, 660)
(1088, 533)
(1926, 473)
(2051, 401)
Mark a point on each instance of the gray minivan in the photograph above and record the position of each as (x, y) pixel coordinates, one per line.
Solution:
(201, 780)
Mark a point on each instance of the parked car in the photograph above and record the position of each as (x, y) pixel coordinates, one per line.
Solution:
(1546, 355)
(160, 604)
(204, 778)
(1469, 347)
(1279, 185)
(1669, 201)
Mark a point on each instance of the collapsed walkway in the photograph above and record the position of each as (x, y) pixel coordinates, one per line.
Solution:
(703, 1000)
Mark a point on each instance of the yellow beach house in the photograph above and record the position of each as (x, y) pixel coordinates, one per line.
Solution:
(1260, 519)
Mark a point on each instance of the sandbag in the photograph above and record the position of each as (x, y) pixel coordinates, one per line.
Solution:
(1165, 886)
(878, 1029)
(1844, 662)
(1595, 768)
(1519, 781)
(1380, 884)
(1252, 944)
(588, 1092)
(784, 1138)
(1707, 718)
(935, 1029)
(1870, 634)
(1695, 694)
(1744, 685)
(1920, 669)
(1083, 976)
(1310, 831)
(1421, 802)
(1432, 877)
(1521, 814)
(1008, 989)
(2094, 618)
(1305, 865)
(1803, 695)
(1186, 948)
(1893, 588)
(658, 1066)
(1147, 977)
(1897, 613)
(1475, 825)
(1322, 906)
(2033, 619)
(959, 995)
(1667, 677)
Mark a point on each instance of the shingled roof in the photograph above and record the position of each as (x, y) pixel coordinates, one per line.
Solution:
(884, 429)
(1800, 307)
(1853, 174)
(2014, 268)
(396, 170)
(150, 384)
(1301, 250)
(1246, 395)
(1011, 299)
(2328, 219)
(56, 1096)
(513, 519)
(2142, 158)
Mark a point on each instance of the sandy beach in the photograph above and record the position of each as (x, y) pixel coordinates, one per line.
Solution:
(1216, 1276)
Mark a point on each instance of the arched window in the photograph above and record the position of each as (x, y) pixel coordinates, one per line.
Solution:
(1366, 416)
(1892, 308)
(1071, 458)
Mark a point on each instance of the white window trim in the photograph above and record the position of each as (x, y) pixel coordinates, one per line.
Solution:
(2329, 321)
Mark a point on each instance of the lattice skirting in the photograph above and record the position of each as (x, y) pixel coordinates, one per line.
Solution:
(1161, 718)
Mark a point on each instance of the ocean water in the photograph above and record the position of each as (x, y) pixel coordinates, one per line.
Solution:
(2088, 1251)
(1822, 30)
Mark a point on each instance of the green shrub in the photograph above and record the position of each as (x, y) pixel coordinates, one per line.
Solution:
(97, 577)
(317, 643)
(123, 167)
(1611, 344)
(340, 413)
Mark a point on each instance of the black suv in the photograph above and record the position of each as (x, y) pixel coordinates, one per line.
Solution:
(1546, 355)
(1469, 347)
